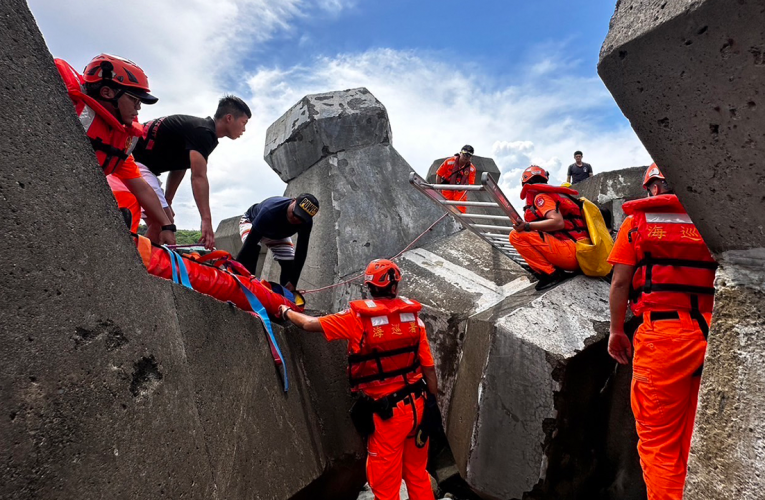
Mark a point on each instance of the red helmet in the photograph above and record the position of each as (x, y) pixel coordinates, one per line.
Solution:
(534, 171)
(123, 73)
(381, 272)
(652, 173)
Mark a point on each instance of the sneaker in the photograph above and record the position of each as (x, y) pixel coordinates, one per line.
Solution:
(550, 280)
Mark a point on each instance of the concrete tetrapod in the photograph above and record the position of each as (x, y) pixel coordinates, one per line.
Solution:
(688, 75)
(116, 384)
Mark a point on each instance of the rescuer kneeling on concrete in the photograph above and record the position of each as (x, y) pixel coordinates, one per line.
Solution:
(663, 269)
(552, 225)
(388, 356)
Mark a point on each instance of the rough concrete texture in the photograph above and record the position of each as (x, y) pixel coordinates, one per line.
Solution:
(689, 78)
(729, 440)
(117, 384)
(688, 74)
(482, 164)
(322, 125)
(368, 211)
(227, 235)
(532, 393)
(609, 190)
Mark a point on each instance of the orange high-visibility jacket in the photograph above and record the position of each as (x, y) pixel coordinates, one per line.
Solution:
(575, 227)
(389, 345)
(675, 271)
(112, 141)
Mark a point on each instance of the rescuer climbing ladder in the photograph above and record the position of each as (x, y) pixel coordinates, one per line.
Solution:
(490, 215)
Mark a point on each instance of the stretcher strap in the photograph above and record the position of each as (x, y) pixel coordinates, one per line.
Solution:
(258, 309)
(179, 272)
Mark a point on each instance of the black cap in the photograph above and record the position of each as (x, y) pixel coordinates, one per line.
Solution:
(145, 97)
(467, 148)
(306, 206)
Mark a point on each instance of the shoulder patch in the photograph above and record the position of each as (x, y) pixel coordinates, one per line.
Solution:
(540, 201)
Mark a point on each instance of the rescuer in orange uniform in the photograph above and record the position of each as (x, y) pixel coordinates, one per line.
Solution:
(552, 225)
(457, 170)
(107, 98)
(388, 356)
(663, 268)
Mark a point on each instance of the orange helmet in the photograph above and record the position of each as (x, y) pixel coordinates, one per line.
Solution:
(381, 272)
(534, 171)
(122, 73)
(652, 173)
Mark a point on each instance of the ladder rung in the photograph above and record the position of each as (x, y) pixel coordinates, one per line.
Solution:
(455, 187)
(469, 203)
(495, 228)
(494, 235)
(488, 217)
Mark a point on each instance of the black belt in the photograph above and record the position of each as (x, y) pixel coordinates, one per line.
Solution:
(384, 405)
(674, 315)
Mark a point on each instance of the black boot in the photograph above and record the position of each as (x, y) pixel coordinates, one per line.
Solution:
(550, 280)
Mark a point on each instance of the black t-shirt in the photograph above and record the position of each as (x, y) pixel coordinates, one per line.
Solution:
(578, 174)
(167, 141)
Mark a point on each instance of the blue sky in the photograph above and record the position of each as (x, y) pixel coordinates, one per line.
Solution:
(517, 80)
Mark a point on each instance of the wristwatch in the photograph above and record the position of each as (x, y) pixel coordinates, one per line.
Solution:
(527, 227)
(169, 227)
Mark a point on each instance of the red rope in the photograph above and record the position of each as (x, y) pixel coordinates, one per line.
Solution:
(349, 280)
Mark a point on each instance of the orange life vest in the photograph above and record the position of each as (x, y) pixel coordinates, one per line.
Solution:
(675, 271)
(389, 345)
(460, 175)
(112, 141)
(575, 227)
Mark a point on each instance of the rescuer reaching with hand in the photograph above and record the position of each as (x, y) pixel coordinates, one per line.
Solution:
(391, 367)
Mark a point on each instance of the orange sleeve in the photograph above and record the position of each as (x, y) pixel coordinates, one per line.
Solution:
(341, 326)
(444, 170)
(127, 170)
(426, 356)
(623, 251)
(544, 203)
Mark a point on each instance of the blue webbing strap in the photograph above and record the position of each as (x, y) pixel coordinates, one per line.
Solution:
(179, 272)
(258, 309)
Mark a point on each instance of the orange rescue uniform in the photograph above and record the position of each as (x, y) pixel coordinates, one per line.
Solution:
(451, 171)
(668, 356)
(391, 451)
(542, 251)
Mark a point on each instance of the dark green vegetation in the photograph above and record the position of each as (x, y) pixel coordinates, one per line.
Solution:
(182, 236)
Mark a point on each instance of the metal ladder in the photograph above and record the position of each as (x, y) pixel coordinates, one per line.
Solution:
(483, 199)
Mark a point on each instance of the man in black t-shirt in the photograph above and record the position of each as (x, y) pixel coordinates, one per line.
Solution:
(273, 221)
(578, 171)
(178, 143)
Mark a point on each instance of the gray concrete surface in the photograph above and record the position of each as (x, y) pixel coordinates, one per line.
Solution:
(321, 125)
(227, 238)
(688, 75)
(482, 164)
(609, 190)
(116, 384)
(368, 209)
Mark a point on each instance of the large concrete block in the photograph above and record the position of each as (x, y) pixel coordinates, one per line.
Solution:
(688, 74)
(729, 439)
(482, 164)
(260, 442)
(609, 190)
(368, 211)
(97, 397)
(523, 409)
(321, 125)
(116, 384)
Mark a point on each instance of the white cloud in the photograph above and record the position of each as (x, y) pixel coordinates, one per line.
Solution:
(435, 106)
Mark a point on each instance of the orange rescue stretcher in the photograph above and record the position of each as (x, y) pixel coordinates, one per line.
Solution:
(218, 275)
